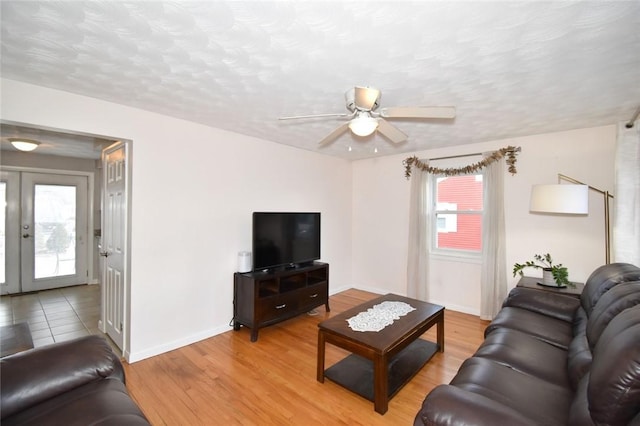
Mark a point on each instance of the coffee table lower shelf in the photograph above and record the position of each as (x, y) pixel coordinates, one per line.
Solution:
(356, 373)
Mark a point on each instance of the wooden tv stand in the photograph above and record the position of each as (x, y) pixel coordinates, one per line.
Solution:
(264, 298)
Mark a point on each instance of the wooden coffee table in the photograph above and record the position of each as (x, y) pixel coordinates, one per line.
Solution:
(381, 361)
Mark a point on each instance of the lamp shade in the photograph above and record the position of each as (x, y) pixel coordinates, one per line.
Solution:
(562, 199)
(363, 125)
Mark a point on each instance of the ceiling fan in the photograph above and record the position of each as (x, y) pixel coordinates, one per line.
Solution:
(365, 118)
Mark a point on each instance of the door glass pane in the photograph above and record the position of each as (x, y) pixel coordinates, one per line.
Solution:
(54, 211)
(3, 234)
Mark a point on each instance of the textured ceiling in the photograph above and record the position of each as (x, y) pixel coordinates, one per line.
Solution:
(509, 68)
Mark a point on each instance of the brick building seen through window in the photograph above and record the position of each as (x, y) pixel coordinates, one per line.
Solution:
(459, 213)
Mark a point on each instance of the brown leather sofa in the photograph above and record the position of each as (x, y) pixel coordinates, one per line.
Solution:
(551, 359)
(79, 382)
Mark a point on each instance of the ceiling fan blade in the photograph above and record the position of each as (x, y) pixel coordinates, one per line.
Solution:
(366, 98)
(295, 117)
(418, 112)
(334, 135)
(390, 132)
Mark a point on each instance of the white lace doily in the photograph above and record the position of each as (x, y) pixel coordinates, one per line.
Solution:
(379, 316)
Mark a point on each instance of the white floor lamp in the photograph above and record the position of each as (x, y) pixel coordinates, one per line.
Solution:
(570, 199)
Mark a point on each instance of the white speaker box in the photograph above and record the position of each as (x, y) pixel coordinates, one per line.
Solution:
(244, 261)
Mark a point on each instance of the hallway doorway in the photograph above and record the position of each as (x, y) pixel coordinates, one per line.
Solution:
(107, 257)
(51, 248)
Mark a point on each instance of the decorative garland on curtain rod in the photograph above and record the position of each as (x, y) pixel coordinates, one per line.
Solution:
(510, 152)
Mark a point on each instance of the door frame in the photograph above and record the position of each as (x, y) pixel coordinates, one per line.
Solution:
(90, 222)
(90, 207)
(12, 234)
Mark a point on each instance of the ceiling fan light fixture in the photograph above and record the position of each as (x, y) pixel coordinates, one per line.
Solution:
(363, 125)
(25, 145)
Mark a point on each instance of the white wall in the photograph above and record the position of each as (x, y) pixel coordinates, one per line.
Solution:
(191, 210)
(380, 215)
(193, 191)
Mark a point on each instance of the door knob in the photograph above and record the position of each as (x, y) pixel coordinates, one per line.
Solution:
(25, 235)
(105, 253)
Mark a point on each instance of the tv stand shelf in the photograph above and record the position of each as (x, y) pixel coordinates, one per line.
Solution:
(264, 298)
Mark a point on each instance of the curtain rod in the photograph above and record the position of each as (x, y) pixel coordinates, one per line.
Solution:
(456, 156)
(516, 149)
(633, 119)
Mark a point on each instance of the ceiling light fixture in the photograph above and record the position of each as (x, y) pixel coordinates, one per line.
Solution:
(363, 124)
(25, 145)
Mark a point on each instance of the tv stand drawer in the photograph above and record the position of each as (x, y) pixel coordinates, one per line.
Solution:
(270, 308)
(314, 295)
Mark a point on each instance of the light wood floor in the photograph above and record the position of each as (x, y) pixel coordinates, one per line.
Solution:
(228, 380)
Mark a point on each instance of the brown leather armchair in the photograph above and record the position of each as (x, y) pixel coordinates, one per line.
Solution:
(78, 382)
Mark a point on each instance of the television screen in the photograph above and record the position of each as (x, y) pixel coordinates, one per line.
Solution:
(285, 239)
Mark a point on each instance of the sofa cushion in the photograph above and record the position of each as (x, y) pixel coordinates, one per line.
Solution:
(616, 300)
(547, 303)
(526, 354)
(103, 402)
(579, 353)
(551, 330)
(614, 385)
(521, 392)
(451, 405)
(579, 413)
(603, 279)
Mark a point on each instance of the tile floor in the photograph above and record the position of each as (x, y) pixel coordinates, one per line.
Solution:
(55, 315)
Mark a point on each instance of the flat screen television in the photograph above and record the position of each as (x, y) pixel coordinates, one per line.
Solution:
(285, 239)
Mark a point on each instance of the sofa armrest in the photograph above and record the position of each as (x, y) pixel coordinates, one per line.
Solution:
(33, 376)
(547, 303)
(451, 405)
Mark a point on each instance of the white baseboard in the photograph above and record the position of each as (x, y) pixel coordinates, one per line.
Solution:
(457, 308)
(374, 290)
(333, 290)
(132, 357)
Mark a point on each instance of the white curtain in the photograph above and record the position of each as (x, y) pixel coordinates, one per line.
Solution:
(626, 221)
(419, 231)
(493, 279)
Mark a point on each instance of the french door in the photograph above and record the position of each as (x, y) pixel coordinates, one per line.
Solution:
(49, 212)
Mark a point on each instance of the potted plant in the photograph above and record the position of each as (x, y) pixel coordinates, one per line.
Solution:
(552, 275)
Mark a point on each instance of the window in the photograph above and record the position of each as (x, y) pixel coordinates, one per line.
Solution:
(458, 214)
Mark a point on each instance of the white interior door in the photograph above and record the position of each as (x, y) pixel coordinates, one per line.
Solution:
(53, 231)
(114, 241)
